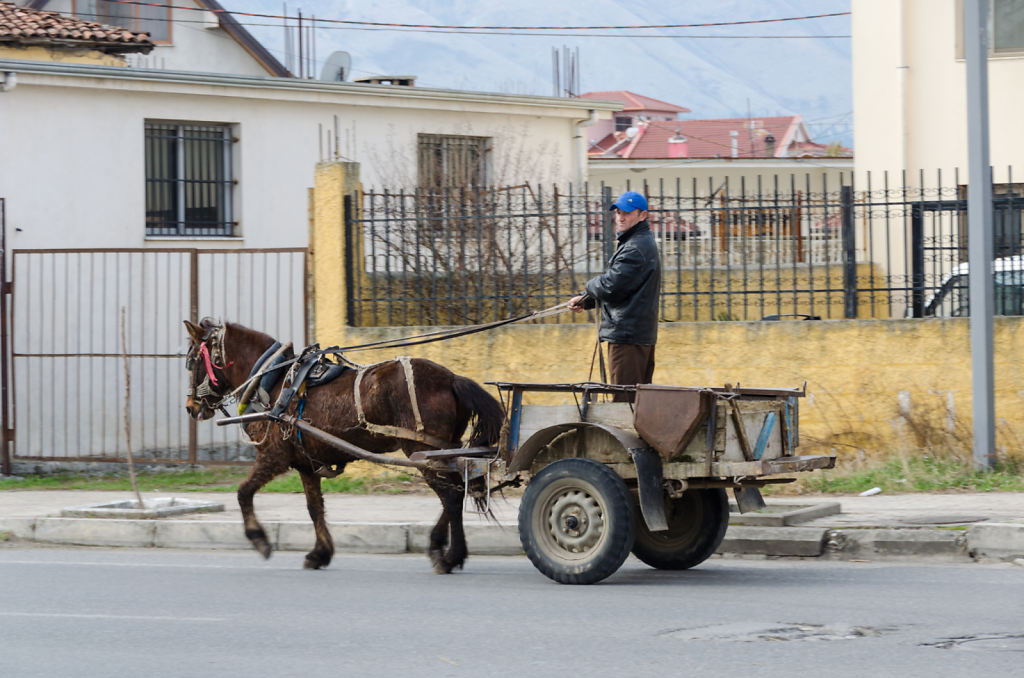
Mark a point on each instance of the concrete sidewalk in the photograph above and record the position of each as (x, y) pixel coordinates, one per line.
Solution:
(952, 526)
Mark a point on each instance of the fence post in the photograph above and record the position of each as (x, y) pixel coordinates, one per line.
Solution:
(608, 236)
(193, 312)
(849, 254)
(5, 289)
(917, 260)
(349, 244)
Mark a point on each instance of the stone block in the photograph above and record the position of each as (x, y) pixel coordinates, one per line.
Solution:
(773, 541)
(1002, 541)
(95, 531)
(204, 534)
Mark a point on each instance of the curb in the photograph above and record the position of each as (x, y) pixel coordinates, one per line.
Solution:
(984, 541)
(1001, 541)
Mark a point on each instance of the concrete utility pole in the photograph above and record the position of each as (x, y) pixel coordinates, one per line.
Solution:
(979, 237)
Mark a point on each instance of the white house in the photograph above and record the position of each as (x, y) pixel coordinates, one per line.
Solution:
(910, 124)
(909, 87)
(99, 154)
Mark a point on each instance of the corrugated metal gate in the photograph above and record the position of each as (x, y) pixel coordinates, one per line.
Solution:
(67, 358)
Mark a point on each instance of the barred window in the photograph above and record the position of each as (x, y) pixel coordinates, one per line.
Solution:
(188, 180)
(153, 17)
(452, 160)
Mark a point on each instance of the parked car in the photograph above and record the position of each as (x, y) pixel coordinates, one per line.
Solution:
(951, 299)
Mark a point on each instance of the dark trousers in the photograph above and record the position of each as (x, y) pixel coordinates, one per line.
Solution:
(629, 364)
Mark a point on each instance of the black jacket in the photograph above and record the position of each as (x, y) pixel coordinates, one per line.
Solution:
(628, 290)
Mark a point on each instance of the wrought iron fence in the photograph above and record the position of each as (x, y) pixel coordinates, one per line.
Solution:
(766, 249)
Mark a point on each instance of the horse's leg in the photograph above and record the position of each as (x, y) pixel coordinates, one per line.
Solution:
(323, 550)
(447, 548)
(263, 471)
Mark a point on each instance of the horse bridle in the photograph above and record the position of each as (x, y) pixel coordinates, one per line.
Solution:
(211, 391)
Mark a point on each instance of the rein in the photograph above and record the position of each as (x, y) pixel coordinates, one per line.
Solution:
(452, 334)
(414, 340)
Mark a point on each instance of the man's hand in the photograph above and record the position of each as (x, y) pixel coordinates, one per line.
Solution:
(576, 303)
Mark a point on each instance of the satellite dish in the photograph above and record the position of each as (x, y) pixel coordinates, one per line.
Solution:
(631, 132)
(337, 68)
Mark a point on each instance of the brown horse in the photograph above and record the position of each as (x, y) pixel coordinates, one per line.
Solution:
(411, 399)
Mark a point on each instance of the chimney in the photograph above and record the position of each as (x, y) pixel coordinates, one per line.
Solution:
(735, 143)
(677, 146)
(769, 146)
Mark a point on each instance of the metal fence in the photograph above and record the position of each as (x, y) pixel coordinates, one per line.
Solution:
(77, 313)
(770, 248)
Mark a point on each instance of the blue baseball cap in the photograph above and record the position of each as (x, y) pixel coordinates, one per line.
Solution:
(629, 201)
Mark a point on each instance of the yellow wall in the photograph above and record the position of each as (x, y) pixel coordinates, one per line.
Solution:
(70, 56)
(875, 386)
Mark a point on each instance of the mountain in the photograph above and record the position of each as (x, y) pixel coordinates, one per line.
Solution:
(712, 71)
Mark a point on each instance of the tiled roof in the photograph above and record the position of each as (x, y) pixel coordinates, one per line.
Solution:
(810, 149)
(635, 102)
(24, 26)
(712, 139)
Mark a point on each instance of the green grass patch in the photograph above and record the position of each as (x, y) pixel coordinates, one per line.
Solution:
(211, 479)
(910, 473)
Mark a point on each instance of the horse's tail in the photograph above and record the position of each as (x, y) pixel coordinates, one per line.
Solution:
(488, 411)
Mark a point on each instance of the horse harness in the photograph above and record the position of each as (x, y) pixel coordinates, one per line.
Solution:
(211, 351)
(309, 370)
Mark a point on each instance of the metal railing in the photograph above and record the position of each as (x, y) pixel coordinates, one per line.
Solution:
(730, 251)
(68, 361)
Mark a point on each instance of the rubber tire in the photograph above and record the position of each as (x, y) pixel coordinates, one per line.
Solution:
(600, 540)
(696, 526)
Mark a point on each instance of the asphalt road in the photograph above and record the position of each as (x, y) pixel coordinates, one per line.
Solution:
(106, 612)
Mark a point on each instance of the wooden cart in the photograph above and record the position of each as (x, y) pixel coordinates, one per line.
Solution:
(605, 479)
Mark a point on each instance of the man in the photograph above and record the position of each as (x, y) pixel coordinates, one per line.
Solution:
(628, 295)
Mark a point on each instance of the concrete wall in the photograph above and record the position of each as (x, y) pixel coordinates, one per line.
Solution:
(873, 386)
(68, 56)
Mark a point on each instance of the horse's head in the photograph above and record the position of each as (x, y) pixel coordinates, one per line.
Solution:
(206, 362)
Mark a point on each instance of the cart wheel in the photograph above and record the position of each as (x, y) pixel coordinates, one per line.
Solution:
(696, 526)
(576, 521)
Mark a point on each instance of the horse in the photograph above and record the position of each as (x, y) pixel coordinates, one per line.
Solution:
(412, 404)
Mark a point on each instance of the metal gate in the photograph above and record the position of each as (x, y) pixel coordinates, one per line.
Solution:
(77, 316)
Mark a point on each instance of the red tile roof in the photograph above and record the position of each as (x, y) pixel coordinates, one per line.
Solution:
(23, 26)
(712, 139)
(635, 102)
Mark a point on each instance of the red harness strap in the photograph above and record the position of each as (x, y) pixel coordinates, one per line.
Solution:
(208, 363)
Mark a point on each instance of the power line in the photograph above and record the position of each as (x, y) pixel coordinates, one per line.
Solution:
(673, 36)
(483, 28)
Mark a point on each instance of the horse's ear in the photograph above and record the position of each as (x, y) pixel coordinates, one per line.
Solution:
(195, 331)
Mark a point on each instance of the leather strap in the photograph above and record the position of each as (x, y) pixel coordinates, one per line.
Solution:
(419, 435)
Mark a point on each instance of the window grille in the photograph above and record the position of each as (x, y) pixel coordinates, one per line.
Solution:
(453, 161)
(188, 180)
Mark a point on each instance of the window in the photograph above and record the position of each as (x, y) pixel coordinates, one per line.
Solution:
(622, 123)
(1005, 28)
(188, 180)
(153, 17)
(452, 161)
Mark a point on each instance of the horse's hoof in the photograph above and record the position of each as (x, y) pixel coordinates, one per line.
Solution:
(437, 560)
(264, 549)
(315, 561)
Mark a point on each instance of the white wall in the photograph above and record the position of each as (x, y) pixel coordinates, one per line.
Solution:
(797, 174)
(197, 44)
(909, 87)
(72, 166)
